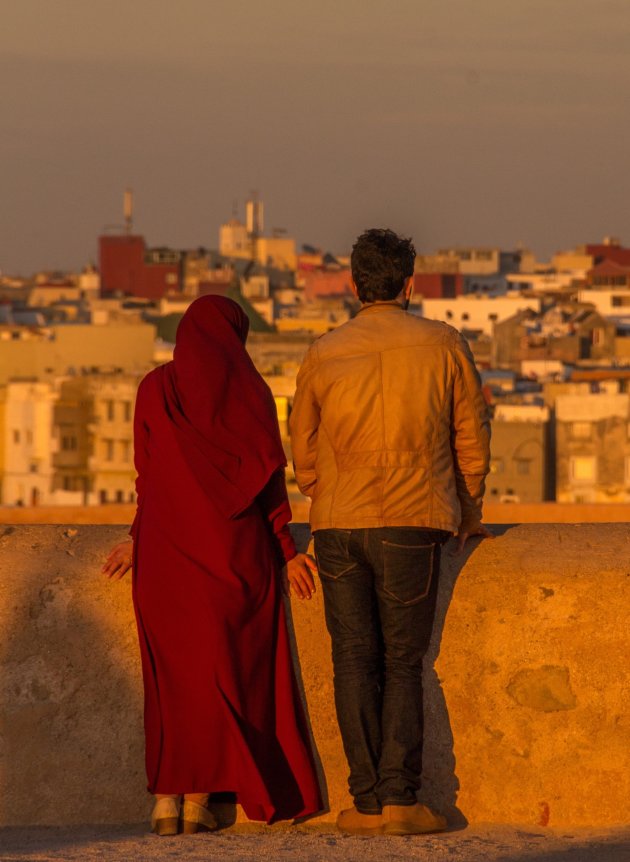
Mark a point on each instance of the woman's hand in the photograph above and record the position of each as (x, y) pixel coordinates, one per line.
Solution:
(119, 560)
(298, 574)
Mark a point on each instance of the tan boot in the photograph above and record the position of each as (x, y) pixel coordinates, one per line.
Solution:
(165, 815)
(353, 822)
(196, 818)
(411, 820)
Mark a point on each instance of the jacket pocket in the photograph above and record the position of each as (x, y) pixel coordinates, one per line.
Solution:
(331, 553)
(407, 571)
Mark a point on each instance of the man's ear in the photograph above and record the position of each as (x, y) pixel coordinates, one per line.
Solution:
(354, 287)
(408, 288)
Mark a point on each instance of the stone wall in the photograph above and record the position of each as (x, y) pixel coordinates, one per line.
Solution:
(526, 683)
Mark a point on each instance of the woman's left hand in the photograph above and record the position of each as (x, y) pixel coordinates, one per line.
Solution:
(298, 574)
(119, 560)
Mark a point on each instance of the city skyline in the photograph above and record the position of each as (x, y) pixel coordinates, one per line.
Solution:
(486, 124)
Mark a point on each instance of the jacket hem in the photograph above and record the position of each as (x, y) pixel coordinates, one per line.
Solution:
(366, 522)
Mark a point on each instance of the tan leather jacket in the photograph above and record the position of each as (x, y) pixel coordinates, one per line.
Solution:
(389, 426)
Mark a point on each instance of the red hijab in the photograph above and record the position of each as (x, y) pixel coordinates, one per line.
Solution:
(222, 411)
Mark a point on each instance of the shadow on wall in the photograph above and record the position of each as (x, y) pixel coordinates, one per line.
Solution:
(440, 784)
(70, 682)
(311, 650)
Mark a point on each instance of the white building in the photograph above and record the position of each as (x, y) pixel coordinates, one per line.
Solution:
(29, 444)
(609, 303)
(477, 313)
(521, 413)
(541, 282)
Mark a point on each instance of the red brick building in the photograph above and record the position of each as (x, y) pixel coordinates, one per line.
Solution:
(327, 283)
(127, 266)
(438, 285)
(609, 274)
(609, 251)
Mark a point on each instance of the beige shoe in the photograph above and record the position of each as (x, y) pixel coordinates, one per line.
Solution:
(197, 818)
(411, 820)
(165, 816)
(353, 822)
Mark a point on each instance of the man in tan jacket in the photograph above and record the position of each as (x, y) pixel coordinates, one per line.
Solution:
(390, 437)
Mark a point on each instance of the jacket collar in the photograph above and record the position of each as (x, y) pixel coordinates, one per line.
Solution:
(381, 306)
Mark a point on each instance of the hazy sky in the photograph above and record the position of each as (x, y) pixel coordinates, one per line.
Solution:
(455, 121)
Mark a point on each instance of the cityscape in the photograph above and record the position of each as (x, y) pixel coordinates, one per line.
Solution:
(551, 340)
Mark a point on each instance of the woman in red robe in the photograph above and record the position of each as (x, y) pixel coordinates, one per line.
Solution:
(210, 545)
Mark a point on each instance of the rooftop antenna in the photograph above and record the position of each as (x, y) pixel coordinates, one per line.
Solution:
(254, 215)
(128, 211)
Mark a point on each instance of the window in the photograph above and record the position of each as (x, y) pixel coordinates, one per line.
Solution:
(29, 437)
(120, 496)
(583, 469)
(465, 316)
(522, 466)
(16, 435)
(69, 443)
(109, 450)
(109, 409)
(127, 410)
(125, 446)
(102, 496)
(582, 430)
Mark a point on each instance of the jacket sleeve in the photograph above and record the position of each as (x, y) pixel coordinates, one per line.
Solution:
(470, 436)
(274, 504)
(140, 451)
(304, 425)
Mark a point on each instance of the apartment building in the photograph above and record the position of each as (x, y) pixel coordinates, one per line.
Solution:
(593, 448)
(46, 351)
(93, 419)
(521, 455)
(27, 443)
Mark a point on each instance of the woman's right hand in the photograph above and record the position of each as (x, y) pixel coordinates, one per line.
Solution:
(298, 575)
(119, 560)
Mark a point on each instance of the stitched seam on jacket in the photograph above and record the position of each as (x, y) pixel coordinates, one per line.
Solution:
(438, 425)
(477, 427)
(380, 368)
(471, 403)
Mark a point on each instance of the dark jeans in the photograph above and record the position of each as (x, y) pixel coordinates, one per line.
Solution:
(380, 587)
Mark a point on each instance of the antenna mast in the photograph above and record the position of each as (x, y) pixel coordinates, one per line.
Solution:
(128, 211)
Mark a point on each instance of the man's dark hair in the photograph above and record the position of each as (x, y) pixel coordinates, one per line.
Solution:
(381, 262)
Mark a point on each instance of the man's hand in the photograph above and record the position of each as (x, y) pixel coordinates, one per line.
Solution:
(119, 561)
(481, 530)
(298, 574)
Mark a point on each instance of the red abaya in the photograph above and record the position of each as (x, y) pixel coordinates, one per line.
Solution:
(222, 710)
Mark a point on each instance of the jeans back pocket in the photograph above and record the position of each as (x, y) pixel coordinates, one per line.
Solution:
(407, 571)
(331, 553)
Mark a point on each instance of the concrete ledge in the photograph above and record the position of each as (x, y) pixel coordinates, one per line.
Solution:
(527, 708)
